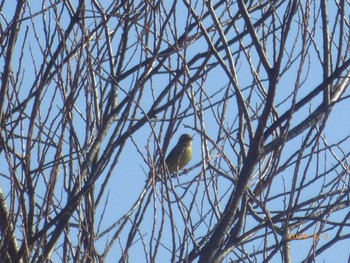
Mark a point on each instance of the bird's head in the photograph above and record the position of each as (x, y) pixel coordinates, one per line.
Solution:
(185, 139)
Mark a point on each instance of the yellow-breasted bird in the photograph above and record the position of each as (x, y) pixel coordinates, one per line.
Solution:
(180, 155)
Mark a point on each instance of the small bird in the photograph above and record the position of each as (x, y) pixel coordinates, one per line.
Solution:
(180, 155)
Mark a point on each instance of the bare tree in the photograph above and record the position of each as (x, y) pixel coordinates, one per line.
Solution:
(94, 94)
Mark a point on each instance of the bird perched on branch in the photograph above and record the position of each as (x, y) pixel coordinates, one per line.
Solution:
(180, 155)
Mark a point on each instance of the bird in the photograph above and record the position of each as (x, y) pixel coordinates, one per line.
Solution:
(180, 155)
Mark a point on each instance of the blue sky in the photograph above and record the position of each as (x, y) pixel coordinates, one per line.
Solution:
(130, 174)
